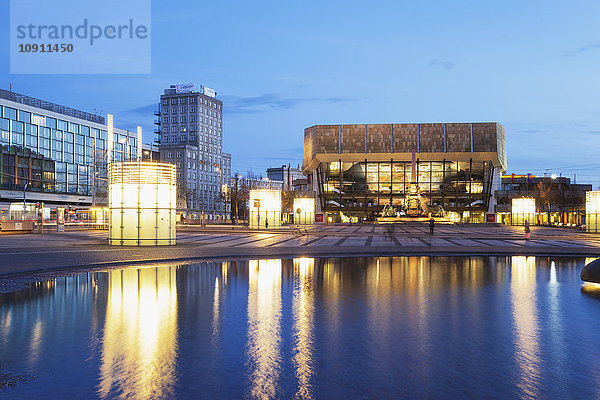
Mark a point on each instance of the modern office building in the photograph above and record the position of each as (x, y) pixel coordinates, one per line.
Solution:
(55, 154)
(286, 174)
(404, 170)
(191, 136)
(558, 201)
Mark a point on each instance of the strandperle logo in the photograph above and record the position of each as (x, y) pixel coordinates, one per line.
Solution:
(85, 30)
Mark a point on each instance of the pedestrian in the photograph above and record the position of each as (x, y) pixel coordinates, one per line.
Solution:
(431, 225)
(266, 223)
(527, 230)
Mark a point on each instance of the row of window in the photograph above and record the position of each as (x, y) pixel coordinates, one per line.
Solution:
(174, 129)
(183, 119)
(192, 100)
(13, 114)
(183, 110)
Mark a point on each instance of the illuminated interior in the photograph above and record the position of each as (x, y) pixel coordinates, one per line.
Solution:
(142, 203)
(356, 187)
(523, 210)
(265, 206)
(304, 210)
(592, 211)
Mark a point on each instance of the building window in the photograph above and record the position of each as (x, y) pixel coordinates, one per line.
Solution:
(174, 120)
(166, 119)
(166, 102)
(165, 139)
(183, 110)
(192, 118)
(192, 138)
(193, 100)
(174, 101)
(166, 111)
(169, 154)
(183, 118)
(193, 109)
(183, 129)
(178, 154)
(174, 129)
(183, 138)
(174, 110)
(193, 128)
(182, 100)
(174, 139)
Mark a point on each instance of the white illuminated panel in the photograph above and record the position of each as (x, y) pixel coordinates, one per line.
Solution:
(265, 205)
(142, 202)
(592, 211)
(523, 209)
(304, 210)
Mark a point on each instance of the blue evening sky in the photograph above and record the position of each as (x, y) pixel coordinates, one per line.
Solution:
(281, 66)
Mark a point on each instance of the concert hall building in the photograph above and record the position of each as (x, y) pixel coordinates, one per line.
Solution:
(359, 171)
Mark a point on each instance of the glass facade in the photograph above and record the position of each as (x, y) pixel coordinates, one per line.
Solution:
(56, 155)
(357, 187)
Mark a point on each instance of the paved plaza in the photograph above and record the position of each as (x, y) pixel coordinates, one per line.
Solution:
(83, 248)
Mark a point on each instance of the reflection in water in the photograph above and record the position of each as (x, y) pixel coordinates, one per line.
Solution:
(140, 334)
(387, 327)
(526, 323)
(303, 330)
(264, 327)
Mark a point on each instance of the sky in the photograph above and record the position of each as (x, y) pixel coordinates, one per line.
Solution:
(280, 67)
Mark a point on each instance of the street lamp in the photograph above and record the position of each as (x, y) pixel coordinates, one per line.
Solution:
(24, 188)
(218, 169)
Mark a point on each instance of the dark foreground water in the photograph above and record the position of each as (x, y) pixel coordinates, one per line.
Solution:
(401, 327)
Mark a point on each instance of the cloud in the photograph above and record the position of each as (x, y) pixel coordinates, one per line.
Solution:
(582, 49)
(436, 62)
(236, 105)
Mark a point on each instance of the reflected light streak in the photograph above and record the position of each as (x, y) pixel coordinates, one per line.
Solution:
(264, 327)
(216, 308)
(35, 345)
(526, 323)
(303, 313)
(140, 334)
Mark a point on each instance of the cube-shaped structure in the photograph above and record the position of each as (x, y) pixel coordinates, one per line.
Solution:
(523, 210)
(304, 210)
(265, 208)
(592, 211)
(142, 200)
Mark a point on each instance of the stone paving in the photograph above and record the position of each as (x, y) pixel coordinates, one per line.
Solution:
(27, 252)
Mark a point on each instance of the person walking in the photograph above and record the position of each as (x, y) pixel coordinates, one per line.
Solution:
(527, 230)
(431, 225)
(266, 223)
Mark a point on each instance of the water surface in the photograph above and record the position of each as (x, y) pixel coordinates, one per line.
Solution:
(383, 327)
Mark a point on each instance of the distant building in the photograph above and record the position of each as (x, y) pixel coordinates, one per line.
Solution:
(191, 136)
(558, 201)
(150, 152)
(286, 174)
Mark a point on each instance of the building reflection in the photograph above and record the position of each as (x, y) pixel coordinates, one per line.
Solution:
(140, 334)
(264, 327)
(303, 328)
(523, 300)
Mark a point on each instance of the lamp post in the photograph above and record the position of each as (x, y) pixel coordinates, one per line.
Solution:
(24, 188)
(218, 169)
